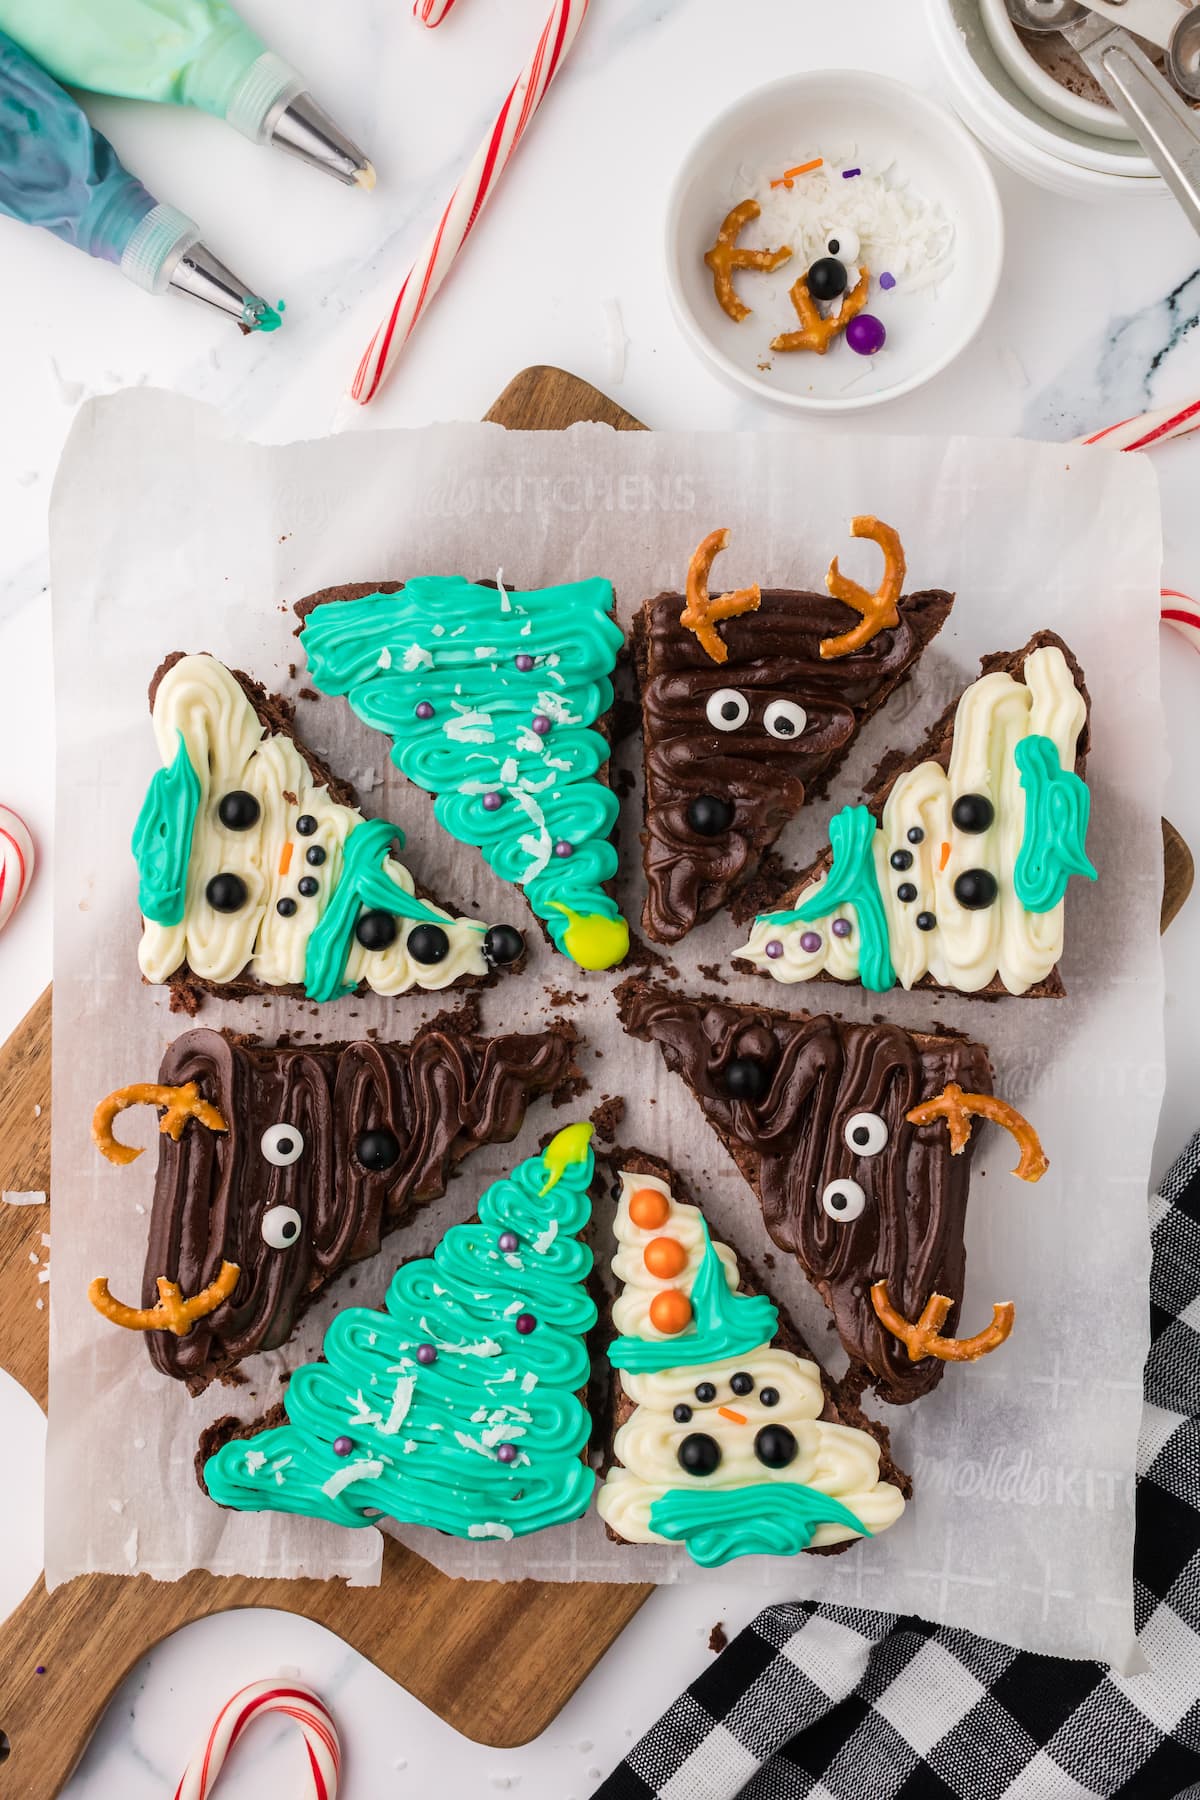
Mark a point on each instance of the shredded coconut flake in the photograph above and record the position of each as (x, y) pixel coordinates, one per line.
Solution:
(346, 1477)
(899, 229)
(490, 1528)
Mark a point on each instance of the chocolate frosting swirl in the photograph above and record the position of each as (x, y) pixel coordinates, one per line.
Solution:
(774, 654)
(791, 1144)
(441, 1097)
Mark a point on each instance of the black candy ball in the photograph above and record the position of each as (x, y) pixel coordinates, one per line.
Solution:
(741, 1383)
(503, 944)
(706, 1392)
(769, 1396)
(428, 944)
(775, 1446)
(377, 1149)
(308, 885)
(709, 816)
(915, 835)
(827, 278)
(239, 810)
(226, 893)
(926, 921)
(376, 930)
(286, 908)
(901, 859)
(699, 1454)
(314, 855)
(746, 1078)
(906, 892)
(306, 824)
(972, 812)
(682, 1414)
(975, 889)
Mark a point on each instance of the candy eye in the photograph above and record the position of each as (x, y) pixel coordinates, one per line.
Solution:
(976, 889)
(866, 1134)
(784, 719)
(727, 710)
(280, 1227)
(843, 1200)
(973, 812)
(775, 1446)
(281, 1145)
(699, 1454)
(843, 242)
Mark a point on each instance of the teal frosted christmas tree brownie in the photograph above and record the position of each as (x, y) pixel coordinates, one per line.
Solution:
(462, 1404)
(497, 704)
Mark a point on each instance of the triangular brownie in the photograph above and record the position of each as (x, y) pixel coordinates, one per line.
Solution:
(258, 872)
(498, 702)
(726, 1435)
(461, 1403)
(817, 1113)
(286, 1165)
(952, 873)
(735, 743)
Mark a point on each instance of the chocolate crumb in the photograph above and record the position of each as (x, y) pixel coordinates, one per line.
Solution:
(717, 1638)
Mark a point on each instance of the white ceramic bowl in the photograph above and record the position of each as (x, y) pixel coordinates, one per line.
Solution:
(887, 121)
(1051, 96)
(1047, 150)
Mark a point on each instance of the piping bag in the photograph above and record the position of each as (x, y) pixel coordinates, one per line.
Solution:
(192, 53)
(58, 172)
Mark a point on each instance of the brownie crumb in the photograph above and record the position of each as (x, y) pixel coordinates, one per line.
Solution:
(766, 887)
(564, 997)
(307, 693)
(457, 1021)
(717, 1638)
(607, 1116)
(712, 972)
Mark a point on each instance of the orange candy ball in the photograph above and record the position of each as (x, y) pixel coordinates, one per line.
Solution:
(648, 1209)
(664, 1257)
(670, 1312)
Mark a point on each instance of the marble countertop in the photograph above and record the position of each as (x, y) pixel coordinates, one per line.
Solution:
(1096, 320)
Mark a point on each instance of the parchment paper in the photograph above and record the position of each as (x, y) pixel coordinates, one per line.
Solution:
(168, 533)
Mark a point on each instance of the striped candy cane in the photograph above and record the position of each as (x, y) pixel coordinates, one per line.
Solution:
(431, 12)
(468, 199)
(16, 862)
(1147, 428)
(294, 1702)
(1181, 613)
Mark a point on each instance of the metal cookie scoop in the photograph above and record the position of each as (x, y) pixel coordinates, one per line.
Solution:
(1167, 129)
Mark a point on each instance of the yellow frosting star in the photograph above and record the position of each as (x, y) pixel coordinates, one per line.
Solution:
(594, 942)
(568, 1146)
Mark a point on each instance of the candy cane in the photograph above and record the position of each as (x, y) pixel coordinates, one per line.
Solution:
(1181, 613)
(468, 199)
(294, 1702)
(431, 12)
(16, 863)
(1149, 428)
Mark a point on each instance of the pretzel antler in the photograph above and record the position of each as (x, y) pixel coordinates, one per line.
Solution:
(878, 610)
(173, 1312)
(924, 1338)
(817, 329)
(956, 1108)
(181, 1104)
(701, 614)
(725, 257)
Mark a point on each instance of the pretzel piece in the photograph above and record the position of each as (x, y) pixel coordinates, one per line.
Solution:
(726, 256)
(925, 1339)
(879, 610)
(180, 1103)
(173, 1312)
(701, 614)
(956, 1108)
(817, 329)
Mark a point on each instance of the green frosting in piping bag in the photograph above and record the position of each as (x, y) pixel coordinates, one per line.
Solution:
(162, 839)
(423, 1441)
(1057, 808)
(772, 1518)
(724, 1323)
(489, 698)
(852, 882)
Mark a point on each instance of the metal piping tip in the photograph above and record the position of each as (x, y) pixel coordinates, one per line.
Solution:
(306, 130)
(202, 276)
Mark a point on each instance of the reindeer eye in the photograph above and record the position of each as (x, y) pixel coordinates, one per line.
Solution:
(280, 1227)
(844, 1200)
(727, 710)
(843, 242)
(281, 1145)
(866, 1134)
(784, 719)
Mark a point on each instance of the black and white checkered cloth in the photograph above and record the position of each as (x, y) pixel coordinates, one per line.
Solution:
(817, 1702)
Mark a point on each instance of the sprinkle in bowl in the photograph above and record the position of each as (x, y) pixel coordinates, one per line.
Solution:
(850, 172)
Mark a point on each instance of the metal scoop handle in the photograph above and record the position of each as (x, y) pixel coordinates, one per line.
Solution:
(1168, 129)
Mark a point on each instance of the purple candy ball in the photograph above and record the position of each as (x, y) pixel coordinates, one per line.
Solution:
(506, 1453)
(342, 1446)
(563, 848)
(493, 802)
(841, 928)
(423, 709)
(524, 662)
(810, 942)
(526, 1323)
(426, 1353)
(508, 1241)
(865, 334)
(774, 949)
(541, 724)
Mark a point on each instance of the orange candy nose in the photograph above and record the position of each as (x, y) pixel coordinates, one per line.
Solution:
(648, 1209)
(665, 1258)
(670, 1312)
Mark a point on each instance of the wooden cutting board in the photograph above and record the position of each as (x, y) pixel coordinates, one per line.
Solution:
(441, 1639)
